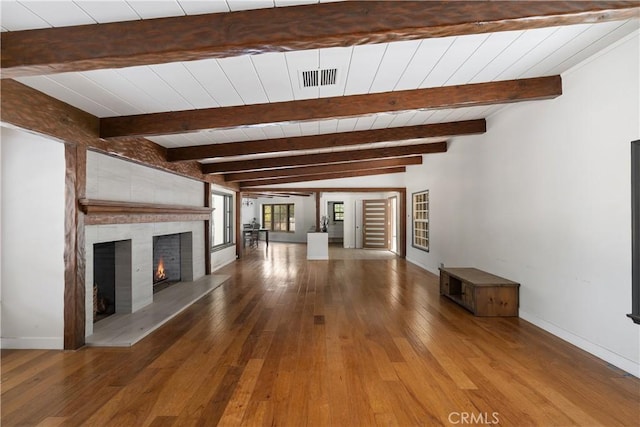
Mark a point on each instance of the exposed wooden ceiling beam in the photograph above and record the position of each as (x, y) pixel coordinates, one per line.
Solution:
(322, 158)
(185, 38)
(26, 108)
(325, 108)
(315, 190)
(256, 195)
(333, 140)
(331, 168)
(280, 194)
(346, 174)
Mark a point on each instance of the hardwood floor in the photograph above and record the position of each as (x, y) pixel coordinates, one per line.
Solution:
(344, 342)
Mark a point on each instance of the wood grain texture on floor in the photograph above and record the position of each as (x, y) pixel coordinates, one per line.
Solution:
(355, 340)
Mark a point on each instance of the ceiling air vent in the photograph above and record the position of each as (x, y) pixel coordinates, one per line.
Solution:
(315, 78)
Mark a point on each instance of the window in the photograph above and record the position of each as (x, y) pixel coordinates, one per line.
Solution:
(221, 220)
(421, 220)
(279, 217)
(338, 211)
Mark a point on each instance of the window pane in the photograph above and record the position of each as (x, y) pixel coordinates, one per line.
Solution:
(278, 217)
(217, 219)
(282, 218)
(421, 220)
(338, 211)
(221, 219)
(228, 237)
(292, 218)
(266, 217)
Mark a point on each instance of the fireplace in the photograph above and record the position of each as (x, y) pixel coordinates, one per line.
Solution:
(111, 278)
(171, 260)
(130, 260)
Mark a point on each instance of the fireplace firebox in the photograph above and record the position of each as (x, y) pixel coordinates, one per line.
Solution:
(171, 260)
(104, 283)
(111, 278)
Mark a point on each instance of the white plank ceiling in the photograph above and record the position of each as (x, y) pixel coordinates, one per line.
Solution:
(275, 77)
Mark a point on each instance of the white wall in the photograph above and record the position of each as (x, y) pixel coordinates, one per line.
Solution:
(543, 198)
(33, 179)
(248, 213)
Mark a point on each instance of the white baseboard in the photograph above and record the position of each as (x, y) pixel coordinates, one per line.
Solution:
(422, 266)
(32, 343)
(608, 356)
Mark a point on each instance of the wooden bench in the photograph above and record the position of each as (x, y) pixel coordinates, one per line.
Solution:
(482, 293)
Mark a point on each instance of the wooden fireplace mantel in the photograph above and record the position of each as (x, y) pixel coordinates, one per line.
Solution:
(115, 212)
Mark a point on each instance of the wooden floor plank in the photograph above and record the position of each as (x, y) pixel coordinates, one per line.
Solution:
(14, 358)
(237, 406)
(52, 422)
(361, 339)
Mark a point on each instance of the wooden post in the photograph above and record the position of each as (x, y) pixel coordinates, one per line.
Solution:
(74, 251)
(635, 232)
(207, 230)
(239, 242)
(403, 223)
(318, 211)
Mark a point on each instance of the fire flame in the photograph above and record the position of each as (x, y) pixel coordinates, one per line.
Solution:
(160, 270)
